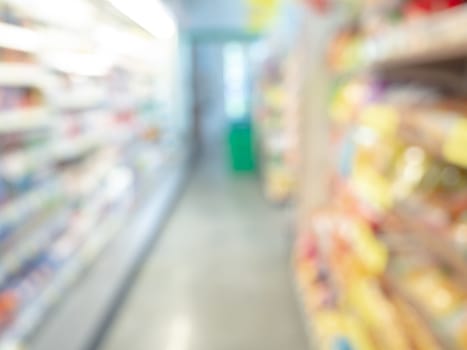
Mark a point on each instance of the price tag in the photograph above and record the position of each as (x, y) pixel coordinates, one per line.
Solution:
(455, 147)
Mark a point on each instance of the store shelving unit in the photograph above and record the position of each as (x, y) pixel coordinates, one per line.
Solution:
(77, 162)
(24, 119)
(385, 249)
(23, 74)
(396, 289)
(432, 39)
(96, 306)
(82, 98)
(275, 123)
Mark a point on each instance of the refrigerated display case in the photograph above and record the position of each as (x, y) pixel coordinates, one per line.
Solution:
(90, 162)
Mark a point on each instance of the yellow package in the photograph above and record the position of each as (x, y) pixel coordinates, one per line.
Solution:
(379, 315)
(369, 249)
(334, 325)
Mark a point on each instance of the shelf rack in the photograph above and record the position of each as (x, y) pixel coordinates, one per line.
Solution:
(431, 39)
(91, 110)
(432, 49)
(394, 287)
(25, 119)
(83, 318)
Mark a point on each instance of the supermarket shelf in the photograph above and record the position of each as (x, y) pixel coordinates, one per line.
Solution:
(32, 245)
(25, 119)
(36, 158)
(27, 204)
(85, 98)
(396, 288)
(432, 39)
(77, 148)
(446, 253)
(440, 248)
(306, 317)
(411, 122)
(82, 319)
(31, 316)
(87, 247)
(22, 75)
(123, 102)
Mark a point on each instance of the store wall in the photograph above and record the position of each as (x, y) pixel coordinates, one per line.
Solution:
(183, 99)
(208, 86)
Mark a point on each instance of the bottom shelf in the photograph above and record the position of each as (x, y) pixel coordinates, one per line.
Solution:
(82, 316)
(305, 314)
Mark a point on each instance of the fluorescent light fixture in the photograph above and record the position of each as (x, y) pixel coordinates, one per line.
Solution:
(151, 15)
(17, 38)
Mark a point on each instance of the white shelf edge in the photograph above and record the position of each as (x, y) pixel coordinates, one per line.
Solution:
(85, 98)
(24, 119)
(23, 74)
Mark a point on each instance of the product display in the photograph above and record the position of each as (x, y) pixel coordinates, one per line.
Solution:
(82, 136)
(383, 33)
(382, 264)
(277, 124)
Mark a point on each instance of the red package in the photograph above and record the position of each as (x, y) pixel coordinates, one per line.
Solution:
(414, 8)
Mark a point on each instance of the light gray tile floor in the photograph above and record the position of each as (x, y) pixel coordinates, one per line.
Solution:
(219, 277)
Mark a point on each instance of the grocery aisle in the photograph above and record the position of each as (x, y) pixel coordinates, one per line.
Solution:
(219, 278)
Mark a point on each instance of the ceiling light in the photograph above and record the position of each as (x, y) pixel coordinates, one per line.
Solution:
(151, 15)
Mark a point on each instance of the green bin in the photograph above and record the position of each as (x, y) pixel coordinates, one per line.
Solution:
(241, 146)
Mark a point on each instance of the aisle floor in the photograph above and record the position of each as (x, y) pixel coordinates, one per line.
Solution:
(219, 277)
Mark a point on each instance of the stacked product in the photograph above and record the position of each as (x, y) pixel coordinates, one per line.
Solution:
(389, 31)
(383, 264)
(275, 130)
